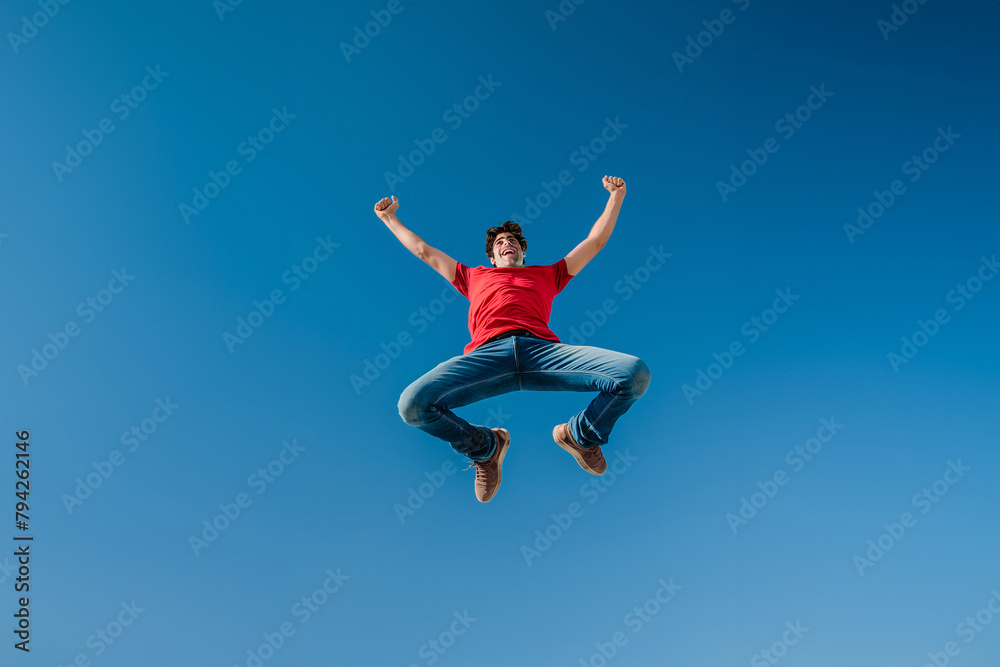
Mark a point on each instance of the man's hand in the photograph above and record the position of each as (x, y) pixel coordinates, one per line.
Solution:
(386, 207)
(614, 185)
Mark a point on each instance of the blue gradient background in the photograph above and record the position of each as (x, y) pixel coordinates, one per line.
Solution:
(334, 506)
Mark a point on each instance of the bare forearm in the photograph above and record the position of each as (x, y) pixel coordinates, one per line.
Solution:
(605, 224)
(411, 241)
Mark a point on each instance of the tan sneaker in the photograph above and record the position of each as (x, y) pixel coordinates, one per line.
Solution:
(591, 460)
(489, 473)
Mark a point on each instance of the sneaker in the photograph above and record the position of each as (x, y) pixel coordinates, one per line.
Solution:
(591, 460)
(489, 473)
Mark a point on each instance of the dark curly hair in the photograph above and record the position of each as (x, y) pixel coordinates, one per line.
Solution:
(510, 227)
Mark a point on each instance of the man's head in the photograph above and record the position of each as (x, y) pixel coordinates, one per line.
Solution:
(505, 246)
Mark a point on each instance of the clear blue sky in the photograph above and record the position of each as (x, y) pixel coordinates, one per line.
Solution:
(220, 400)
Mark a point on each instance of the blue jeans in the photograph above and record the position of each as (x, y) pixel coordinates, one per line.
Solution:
(520, 363)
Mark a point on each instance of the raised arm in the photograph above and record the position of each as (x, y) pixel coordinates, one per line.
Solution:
(601, 231)
(437, 260)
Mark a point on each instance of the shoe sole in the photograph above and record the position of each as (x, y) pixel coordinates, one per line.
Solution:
(503, 444)
(568, 446)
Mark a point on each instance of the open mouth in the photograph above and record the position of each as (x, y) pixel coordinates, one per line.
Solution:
(507, 252)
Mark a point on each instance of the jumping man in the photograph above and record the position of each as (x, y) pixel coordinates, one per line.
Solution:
(513, 349)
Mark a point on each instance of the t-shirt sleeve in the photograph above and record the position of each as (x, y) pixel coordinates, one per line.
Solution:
(461, 281)
(560, 274)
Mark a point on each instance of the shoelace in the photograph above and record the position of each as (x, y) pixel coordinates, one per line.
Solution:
(480, 470)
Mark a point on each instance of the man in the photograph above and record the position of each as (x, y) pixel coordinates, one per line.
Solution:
(512, 349)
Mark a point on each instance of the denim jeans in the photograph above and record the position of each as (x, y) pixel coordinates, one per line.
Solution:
(521, 363)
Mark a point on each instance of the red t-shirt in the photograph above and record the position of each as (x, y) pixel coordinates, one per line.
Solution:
(505, 298)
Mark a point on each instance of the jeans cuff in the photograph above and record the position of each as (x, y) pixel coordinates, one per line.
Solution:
(492, 449)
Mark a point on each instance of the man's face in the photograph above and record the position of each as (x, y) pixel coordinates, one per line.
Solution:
(507, 251)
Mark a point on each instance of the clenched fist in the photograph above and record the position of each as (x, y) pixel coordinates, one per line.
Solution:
(386, 206)
(614, 184)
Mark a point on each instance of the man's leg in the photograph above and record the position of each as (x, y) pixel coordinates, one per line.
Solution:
(427, 403)
(620, 378)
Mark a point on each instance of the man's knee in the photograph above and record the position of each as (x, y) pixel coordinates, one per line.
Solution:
(410, 408)
(417, 403)
(639, 377)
